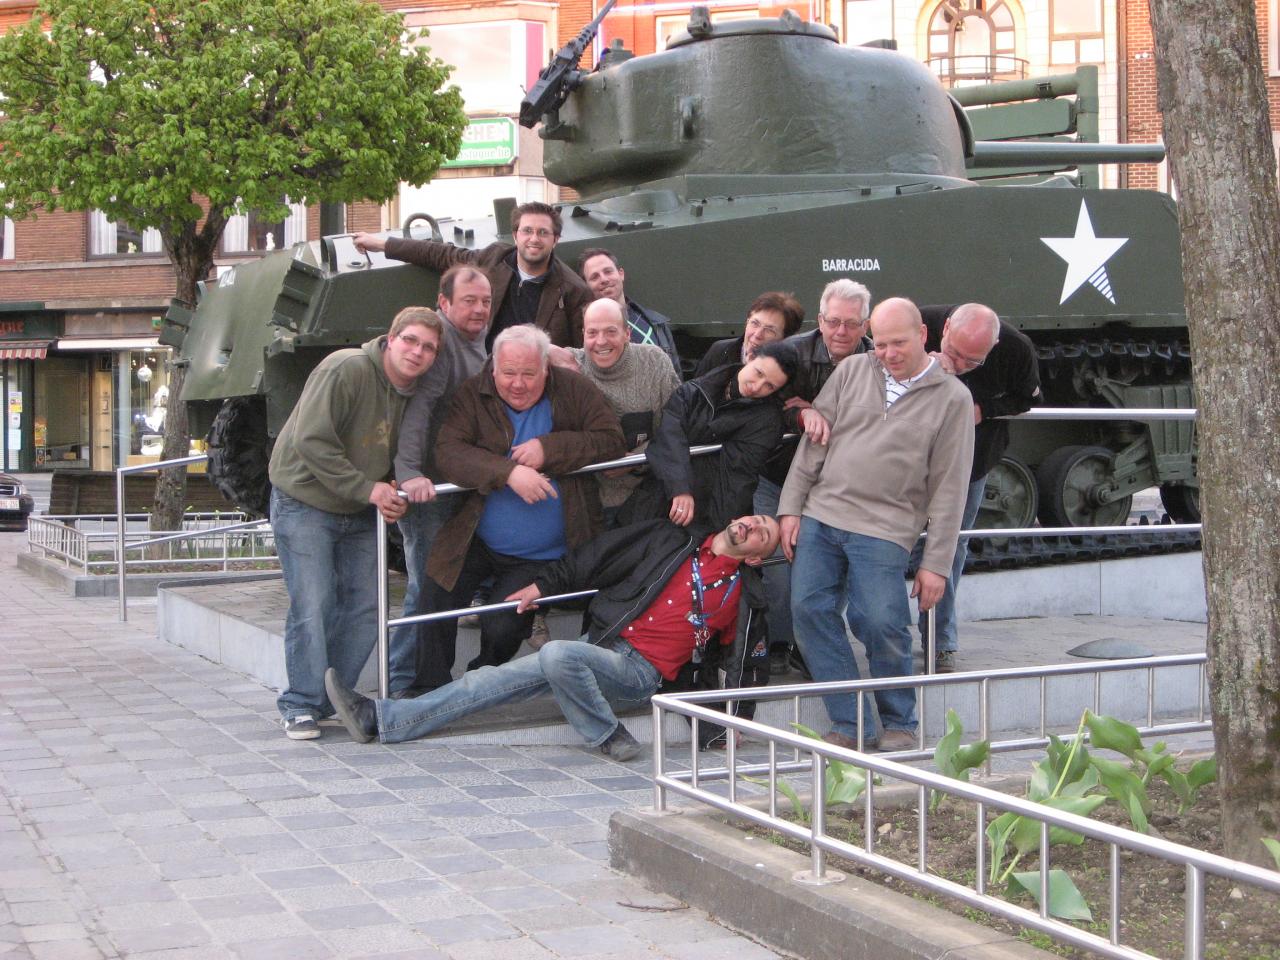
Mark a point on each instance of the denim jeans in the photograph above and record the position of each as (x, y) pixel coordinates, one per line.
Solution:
(584, 678)
(330, 570)
(832, 567)
(945, 617)
(419, 528)
(777, 576)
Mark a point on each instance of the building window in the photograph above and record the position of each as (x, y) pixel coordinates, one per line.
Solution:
(251, 233)
(493, 63)
(109, 238)
(974, 41)
(6, 238)
(1273, 37)
(1076, 31)
(867, 20)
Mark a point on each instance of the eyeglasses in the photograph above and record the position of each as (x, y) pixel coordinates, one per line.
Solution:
(416, 343)
(542, 233)
(971, 363)
(849, 326)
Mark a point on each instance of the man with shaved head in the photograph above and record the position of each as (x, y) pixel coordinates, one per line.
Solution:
(897, 460)
(997, 363)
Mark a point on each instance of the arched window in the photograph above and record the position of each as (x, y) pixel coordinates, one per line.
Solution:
(974, 41)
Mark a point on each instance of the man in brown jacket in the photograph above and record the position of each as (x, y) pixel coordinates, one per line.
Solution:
(530, 284)
(511, 433)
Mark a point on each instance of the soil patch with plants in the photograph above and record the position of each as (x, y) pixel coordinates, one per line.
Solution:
(1155, 792)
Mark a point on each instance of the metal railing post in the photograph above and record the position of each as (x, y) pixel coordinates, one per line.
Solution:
(384, 653)
(120, 587)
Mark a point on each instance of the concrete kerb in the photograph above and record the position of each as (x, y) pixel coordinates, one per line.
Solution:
(748, 885)
(81, 585)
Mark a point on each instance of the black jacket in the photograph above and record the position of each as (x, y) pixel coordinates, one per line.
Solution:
(631, 565)
(662, 336)
(722, 484)
(813, 370)
(718, 354)
(1007, 383)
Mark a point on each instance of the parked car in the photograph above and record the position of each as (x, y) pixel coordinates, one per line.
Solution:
(15, 503)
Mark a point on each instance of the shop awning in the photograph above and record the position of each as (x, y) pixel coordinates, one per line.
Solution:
(109, 343)
(23, 349)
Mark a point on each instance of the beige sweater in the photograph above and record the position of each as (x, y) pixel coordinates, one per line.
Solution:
(888, 473)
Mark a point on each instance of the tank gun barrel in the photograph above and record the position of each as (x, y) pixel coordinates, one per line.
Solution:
(1011, 91)
(559, 77)
(999, 153)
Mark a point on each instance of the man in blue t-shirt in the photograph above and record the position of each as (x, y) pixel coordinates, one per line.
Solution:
(512, 433)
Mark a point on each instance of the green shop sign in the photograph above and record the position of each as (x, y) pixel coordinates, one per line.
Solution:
(490, 142)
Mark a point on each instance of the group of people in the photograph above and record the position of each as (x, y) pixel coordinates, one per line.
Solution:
(839, 448)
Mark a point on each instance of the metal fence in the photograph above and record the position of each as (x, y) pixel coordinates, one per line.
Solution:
(809, 758)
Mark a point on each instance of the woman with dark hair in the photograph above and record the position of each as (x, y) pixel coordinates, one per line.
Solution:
(736, 406)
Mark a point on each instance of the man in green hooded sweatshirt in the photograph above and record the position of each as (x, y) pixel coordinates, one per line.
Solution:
(330, 470)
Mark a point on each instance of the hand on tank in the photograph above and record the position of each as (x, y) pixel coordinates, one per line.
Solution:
(389, 503)
(815, 426)
(529, 454)
(526, 597)
(419, 489)
(789, 526)
(365, 242)
(529, 485)
(927, 588)
(682, 510)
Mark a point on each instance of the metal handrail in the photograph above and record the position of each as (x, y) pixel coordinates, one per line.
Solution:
(687, 783)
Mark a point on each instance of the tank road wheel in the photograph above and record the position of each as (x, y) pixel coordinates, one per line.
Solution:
(239, 453)
(1073, 485)
(1010, 498)
(1181, 501)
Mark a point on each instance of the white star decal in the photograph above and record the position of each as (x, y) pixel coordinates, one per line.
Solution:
(1086, 257)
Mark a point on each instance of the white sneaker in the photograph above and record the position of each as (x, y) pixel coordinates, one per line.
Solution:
(301, 727)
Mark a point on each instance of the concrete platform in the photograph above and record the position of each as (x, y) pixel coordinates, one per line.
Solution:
(241, 625)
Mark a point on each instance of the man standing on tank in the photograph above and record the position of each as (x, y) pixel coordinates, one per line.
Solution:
(603, 274)
(897, 458)
(997, 362)
(530, 284)
(771, 316)
(465, 303)
(841, 332)
(331, 468)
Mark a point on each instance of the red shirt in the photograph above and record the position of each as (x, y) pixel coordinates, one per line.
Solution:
(663, 633)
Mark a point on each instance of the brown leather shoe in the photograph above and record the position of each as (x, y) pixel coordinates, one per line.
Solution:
(892, 741)
(837, 739)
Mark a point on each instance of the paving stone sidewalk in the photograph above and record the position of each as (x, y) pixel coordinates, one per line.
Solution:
(150, 807)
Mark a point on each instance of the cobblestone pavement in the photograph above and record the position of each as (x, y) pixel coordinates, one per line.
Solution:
(150, 807)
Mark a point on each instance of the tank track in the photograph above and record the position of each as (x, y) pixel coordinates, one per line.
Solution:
(1003, 553)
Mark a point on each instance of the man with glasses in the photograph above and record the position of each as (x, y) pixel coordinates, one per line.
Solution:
(330, 469)
(530, 284)
(997, 362)
(842, 327)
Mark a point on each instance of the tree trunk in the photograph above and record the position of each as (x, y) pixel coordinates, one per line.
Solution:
(1216, 125)
(171, 484)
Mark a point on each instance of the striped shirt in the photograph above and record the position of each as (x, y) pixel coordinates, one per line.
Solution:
(894, 389)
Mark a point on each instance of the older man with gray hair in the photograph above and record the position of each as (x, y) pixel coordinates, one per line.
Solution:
(512, 433)
(841, 332)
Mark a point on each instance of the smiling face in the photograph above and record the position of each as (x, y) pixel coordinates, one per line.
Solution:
(760, 378)
(754, 537)
(535, 240)
(604, 333)
(520, 375)
(899, 336)
(469, 309)
(409, 354)
(842, 325)
(604, 277)
(763, 326)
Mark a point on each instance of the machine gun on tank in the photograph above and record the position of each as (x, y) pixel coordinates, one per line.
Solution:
(560, 77)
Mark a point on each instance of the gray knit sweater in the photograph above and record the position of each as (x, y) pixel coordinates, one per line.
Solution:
(641, 381)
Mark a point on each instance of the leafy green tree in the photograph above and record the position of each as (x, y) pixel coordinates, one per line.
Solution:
(177, 114)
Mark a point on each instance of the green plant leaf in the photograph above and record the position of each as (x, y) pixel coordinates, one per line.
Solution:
(1273, 848)
(1065, 900)
(1126, 787)
(1080, 806)
(953, 760)
(1202, 773)
(998, 833)
(807, 731)
(787, 791)
(1078, 788)
(846, 787)
(1108, 733)
(1059, 755)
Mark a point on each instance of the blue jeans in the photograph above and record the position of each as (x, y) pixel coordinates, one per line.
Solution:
(330, 570)
(419, 528)
(584, 679)
(945, 617)
(777, 576)
(834, 567)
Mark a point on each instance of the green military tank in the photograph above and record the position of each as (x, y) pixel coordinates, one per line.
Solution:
(762, 154)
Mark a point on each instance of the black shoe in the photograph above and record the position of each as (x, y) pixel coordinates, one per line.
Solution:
(301, 727)
(621, 745)
(796, 660)
(778, 665)
(357, 713)
(944, 661)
